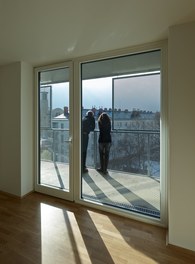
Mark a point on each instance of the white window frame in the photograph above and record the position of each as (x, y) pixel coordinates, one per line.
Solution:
(162, 45)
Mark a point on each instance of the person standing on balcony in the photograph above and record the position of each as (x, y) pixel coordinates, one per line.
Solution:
(104, 124)
(88, 125)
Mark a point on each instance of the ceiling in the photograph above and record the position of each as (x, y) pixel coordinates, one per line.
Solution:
(47, 31)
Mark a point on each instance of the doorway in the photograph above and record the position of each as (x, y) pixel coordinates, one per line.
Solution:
(128, 89)
(55, 131)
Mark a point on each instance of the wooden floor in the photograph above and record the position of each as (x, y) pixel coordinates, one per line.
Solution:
(41, 229)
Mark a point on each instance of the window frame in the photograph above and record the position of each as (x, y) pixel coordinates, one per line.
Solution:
(162, 46)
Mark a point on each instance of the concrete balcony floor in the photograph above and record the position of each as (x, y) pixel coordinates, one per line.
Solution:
(135, 192)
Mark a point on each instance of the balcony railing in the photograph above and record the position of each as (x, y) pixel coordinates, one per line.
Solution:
(134, 168)
(135, 152)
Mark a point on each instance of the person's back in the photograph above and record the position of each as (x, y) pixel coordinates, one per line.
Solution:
(104, 140)
(105, 130)
(88, 125)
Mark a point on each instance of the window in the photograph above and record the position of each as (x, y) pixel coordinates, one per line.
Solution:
(128, 89)
(136, 102)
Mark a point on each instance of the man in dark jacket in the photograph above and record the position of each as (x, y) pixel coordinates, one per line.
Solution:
(88, 125)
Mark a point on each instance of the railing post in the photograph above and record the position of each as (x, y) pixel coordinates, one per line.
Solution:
(95, 148)
(148, 156)
(54, 155)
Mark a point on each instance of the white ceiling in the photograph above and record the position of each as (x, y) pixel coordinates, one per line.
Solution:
(47, 31)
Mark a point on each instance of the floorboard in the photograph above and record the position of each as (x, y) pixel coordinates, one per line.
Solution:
(40, 229)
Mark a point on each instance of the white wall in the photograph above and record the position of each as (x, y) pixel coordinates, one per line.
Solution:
(10, 128)
(181, 75)
(15, 151)
(27, 179)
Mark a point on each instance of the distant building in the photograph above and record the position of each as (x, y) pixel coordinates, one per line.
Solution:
(132, 150)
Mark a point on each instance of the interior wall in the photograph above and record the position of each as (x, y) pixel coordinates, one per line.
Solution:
(181, 49)
(10, 129)
(27, 179)
(16, 133)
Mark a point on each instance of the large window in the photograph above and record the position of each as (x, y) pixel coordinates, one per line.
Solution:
(127, 175)
(54, 129)
(128, 89)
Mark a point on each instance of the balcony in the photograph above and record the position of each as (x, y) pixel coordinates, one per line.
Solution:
(133, 181)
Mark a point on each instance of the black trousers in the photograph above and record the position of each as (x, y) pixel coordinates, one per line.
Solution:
(84, 149)
(104, 151)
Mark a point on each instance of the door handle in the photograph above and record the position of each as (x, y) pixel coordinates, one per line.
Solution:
(69, 140)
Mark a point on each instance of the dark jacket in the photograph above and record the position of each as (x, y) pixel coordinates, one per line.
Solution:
(105, 132)
(88, 123)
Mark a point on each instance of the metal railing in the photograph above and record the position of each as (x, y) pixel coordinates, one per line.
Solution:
(131, 151)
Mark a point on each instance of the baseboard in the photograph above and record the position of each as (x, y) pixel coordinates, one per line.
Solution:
(182, 250)
(14, 195)
(10, 195)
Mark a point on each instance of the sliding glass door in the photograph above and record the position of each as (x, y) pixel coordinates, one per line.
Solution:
(128, 89)
(126, 173)
(55, 131)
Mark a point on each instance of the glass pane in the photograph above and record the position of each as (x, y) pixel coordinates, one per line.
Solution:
(54, 128)
(136, 102)
(127, 174)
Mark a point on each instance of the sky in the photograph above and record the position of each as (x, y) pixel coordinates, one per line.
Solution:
(141, 92)
(60, 95)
